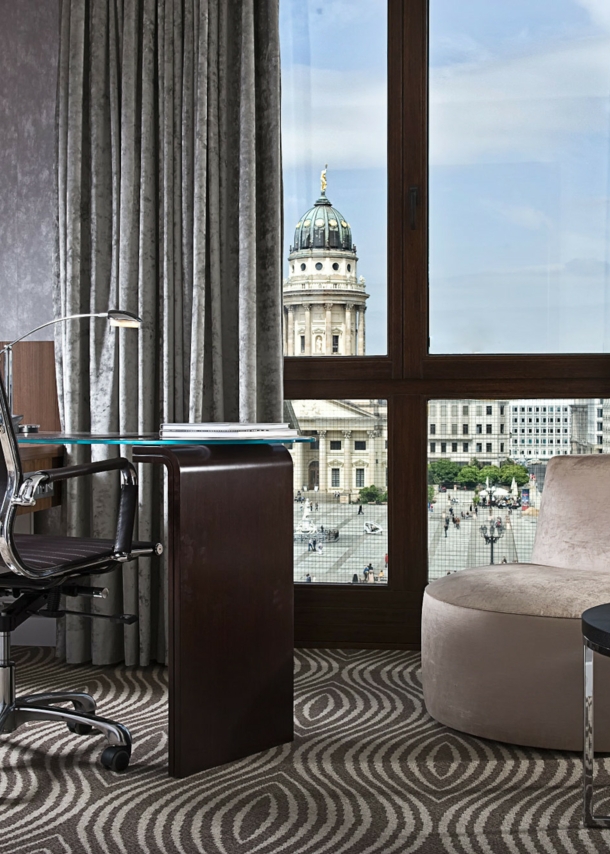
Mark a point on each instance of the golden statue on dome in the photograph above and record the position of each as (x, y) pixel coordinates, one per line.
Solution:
(323, 178)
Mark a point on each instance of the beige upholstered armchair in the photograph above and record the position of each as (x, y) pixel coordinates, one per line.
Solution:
(502, 646)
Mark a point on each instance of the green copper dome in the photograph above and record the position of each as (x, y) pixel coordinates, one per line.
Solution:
(322, 227)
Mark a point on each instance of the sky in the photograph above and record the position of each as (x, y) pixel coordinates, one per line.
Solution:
(519, 152)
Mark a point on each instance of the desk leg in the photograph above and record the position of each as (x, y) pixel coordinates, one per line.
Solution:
(230, 601)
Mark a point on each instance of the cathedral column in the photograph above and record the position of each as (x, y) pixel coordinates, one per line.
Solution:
(285, 331)
(329, 328)
(290, 350)
(361, 311)
(307, 308)
(323, 464)
(347, 461)
(348, 329)
(372, 457)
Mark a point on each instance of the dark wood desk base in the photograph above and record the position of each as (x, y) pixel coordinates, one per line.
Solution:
(230, 601)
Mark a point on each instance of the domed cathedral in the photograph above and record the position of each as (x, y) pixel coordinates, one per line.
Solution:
(324, 301)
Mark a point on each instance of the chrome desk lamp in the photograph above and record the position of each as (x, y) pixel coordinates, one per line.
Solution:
(121, 319)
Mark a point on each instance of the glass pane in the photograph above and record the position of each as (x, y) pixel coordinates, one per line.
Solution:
(341, 491)
(484, 490)
(334, 140)
(519, 180)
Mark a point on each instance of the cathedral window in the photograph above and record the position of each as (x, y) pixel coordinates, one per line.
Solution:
(302, 343)
(349, 268)
(335, 266)
(335, 343)
(303, 266)
(318, 266)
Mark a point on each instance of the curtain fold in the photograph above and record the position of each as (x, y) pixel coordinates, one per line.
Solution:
(169, 205)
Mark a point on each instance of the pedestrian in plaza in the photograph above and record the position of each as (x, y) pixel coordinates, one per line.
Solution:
(314, 543)
(365, 572)
(308, 578)
(320, 548)
(446, 526)
(385, 560)
(457, 523)
(371, 579)
(310, 545)
(381, 576)
(355, 579)
(360, 510)
(317, 505)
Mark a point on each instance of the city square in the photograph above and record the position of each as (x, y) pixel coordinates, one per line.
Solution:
(464, 546)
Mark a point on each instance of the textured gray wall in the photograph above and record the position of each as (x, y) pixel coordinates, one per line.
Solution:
(29, 44)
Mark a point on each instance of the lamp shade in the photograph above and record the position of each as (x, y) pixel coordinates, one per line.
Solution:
(124, 319)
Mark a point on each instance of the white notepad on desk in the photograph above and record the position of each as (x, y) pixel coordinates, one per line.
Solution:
(228, 430)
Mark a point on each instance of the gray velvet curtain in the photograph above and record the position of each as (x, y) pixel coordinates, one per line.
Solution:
(169, 205)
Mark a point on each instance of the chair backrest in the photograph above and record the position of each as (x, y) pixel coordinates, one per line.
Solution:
(573, 529)
(11, 478)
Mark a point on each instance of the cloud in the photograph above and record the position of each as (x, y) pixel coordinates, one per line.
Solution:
(333, 116)
(524, 216)
(519, 108)
(599, 10)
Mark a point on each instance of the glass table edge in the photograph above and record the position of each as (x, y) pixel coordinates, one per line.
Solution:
(59, 439)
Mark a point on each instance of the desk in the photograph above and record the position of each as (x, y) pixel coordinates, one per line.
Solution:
(229, 555)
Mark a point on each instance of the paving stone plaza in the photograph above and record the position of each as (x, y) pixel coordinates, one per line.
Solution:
(340, 560)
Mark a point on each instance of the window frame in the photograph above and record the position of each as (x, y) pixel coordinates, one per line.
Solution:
(409, 376)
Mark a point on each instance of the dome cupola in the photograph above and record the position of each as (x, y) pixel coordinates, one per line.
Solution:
(323, 227)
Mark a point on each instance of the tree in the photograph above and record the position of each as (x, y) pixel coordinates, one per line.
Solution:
(519, 473)
(430, 493)
(491, 472)
(476, 463)
(469, 476)
(372, 494)
(443, 472)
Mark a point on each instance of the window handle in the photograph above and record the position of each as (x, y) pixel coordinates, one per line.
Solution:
(413, 202)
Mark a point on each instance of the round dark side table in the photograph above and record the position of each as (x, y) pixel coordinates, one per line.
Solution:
(596, 638)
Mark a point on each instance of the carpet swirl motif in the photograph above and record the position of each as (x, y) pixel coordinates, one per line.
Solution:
(369, 771)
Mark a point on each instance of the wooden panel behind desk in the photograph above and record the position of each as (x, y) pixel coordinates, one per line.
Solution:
(34, 384)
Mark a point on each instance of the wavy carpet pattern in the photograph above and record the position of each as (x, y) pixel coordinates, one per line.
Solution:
(369, 772)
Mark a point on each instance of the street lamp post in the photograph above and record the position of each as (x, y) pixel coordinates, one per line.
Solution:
(491, 535)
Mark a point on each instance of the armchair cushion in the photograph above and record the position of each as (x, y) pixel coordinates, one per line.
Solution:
(524, 588)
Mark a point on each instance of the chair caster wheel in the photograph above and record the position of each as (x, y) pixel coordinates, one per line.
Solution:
(116, 758)
(79, 729)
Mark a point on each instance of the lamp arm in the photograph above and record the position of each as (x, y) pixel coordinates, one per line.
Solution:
(50, 323)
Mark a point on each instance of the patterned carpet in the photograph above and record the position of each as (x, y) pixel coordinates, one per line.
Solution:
(369, 771)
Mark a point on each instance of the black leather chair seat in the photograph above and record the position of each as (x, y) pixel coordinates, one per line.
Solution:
(40, 551)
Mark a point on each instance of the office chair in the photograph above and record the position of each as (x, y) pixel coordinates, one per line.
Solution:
(35, 570)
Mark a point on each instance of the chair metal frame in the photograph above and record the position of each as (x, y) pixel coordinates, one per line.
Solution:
(37, 590)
